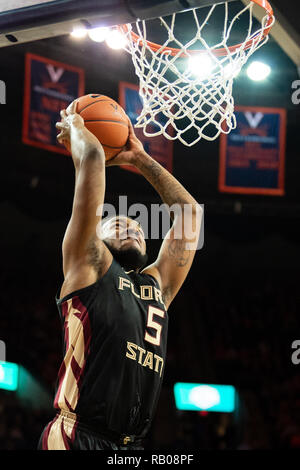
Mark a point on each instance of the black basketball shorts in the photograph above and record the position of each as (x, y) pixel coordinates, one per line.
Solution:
(65, 432)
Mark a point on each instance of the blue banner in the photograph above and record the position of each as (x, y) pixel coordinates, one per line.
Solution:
(252, 156)
(49, 87)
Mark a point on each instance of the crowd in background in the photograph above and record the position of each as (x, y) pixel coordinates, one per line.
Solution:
(249, 324)
(249, 331)
(254, 326)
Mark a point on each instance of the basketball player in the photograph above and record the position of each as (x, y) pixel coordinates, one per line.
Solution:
(113, 309)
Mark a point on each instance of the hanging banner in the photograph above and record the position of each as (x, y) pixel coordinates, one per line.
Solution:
(158, 147)
(49, 87)
(252, 156)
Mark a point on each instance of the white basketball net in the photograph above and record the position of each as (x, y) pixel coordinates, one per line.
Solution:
(179, 101)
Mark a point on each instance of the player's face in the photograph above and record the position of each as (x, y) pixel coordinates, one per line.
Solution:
(122, 233)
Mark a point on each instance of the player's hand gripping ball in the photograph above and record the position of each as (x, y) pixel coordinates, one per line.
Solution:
(106, 119)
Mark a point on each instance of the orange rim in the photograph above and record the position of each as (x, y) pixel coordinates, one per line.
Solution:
(217, 52)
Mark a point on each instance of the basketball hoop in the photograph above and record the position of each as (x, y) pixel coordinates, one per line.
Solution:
(178, 101)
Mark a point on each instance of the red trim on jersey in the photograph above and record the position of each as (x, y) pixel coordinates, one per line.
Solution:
(67, 403)
(87, 333)
(61, 374)
(83, 315)
(76, 369)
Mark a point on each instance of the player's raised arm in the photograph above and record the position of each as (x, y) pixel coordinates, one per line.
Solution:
(178, 248)
(179, 245)
(89, 162)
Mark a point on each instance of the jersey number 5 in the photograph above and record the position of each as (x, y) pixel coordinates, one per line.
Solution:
(153, 324)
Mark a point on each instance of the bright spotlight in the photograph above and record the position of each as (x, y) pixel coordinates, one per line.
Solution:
(231, 70)
(98, 34)
(79, 32)
(115, 39)
(258, 71)
(201, 65)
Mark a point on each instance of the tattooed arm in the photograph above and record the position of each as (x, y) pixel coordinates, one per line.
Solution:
(178, 248)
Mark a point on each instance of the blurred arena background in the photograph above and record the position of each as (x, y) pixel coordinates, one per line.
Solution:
(237, 315)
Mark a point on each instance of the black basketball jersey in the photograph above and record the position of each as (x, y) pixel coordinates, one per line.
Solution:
(115, 339)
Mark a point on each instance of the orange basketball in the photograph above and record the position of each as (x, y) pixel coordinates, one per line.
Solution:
(106, 119)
